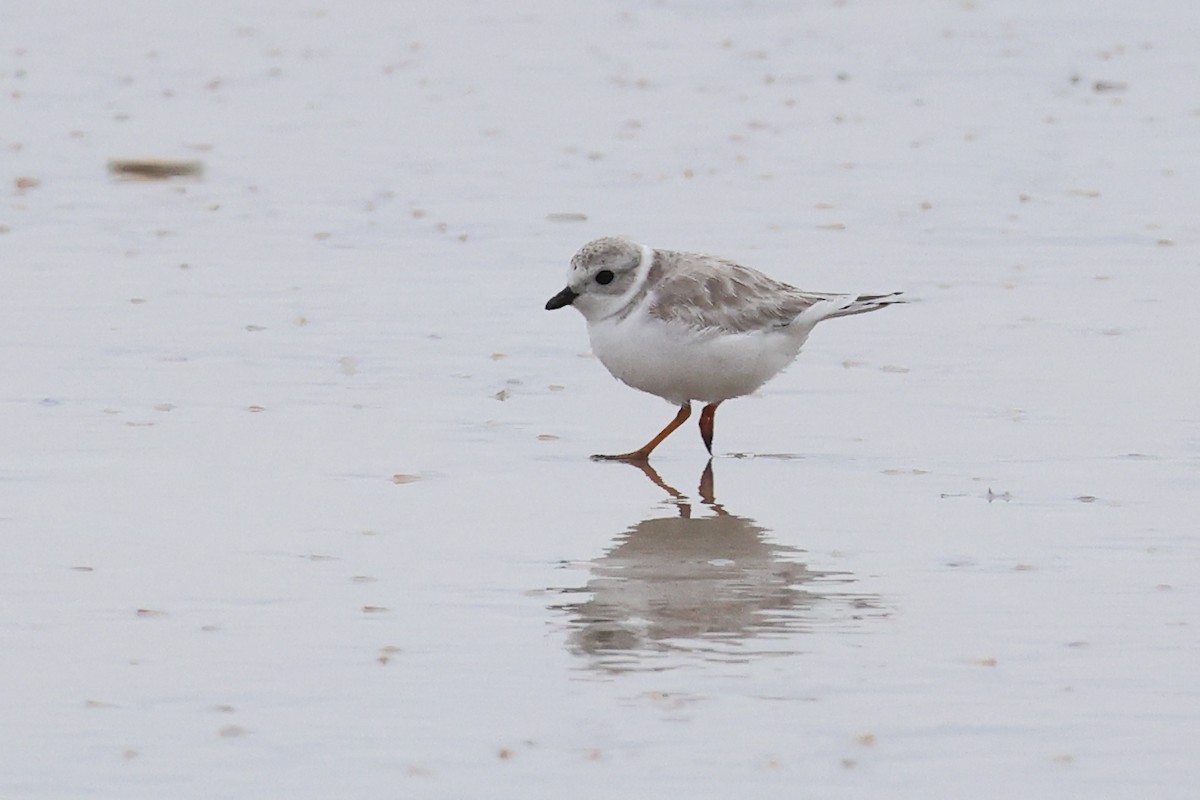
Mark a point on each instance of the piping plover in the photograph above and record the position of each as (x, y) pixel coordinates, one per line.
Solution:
(690, 327)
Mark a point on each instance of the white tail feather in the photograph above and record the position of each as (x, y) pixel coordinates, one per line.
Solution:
(864, 303)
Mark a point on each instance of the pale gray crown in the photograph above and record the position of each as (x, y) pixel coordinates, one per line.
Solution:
(612, 254)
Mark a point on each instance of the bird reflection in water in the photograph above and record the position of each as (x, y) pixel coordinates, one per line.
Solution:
(707, 585)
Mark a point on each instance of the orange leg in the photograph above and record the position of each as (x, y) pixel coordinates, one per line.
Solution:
(643, 452)
(706, 424)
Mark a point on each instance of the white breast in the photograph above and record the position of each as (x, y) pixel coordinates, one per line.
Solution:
(680, 364)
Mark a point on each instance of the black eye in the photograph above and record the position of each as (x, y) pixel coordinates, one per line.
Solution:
(604, 277)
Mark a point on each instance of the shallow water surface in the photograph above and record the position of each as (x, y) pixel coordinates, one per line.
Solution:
(295, 494)
(713, 587)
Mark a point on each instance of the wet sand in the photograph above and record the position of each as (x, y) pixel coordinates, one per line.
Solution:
(295, 490)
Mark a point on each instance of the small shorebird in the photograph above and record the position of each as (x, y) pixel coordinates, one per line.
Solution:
(690, 327)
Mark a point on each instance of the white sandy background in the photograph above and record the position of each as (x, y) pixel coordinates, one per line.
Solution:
(294, 490)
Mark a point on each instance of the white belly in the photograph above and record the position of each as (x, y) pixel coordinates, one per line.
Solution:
(680, 364)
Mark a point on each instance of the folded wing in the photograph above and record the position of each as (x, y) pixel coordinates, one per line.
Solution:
(712, 294)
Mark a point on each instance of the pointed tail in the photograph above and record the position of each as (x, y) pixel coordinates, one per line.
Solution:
(867, 302)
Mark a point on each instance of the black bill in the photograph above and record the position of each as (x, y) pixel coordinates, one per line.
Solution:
(563, 298)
